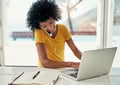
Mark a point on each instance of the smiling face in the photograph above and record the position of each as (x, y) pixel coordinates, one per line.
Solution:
(48, 25)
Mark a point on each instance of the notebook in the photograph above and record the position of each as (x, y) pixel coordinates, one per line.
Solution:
(93, 63)
(35, 78)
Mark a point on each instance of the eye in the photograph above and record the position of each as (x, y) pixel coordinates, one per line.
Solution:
(52, 22)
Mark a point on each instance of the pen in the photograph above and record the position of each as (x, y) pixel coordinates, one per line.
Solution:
(16, 78)
(54, 82)
(36, 75)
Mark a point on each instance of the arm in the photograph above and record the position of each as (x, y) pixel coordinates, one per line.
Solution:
(75, 50)
(49, 63)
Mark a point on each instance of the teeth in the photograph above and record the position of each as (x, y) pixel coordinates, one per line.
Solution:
(50, 34)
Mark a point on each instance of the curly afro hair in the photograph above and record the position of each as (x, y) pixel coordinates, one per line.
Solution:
(40, 11)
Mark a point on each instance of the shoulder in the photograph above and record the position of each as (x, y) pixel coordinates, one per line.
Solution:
(38, 31)
(61, 26)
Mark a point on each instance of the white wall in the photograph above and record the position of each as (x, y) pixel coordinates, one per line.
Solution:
(0, 32)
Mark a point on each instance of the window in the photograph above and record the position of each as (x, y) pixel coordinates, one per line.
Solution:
(19, 43)
(116, 31)
(116, 24)
(0, 35)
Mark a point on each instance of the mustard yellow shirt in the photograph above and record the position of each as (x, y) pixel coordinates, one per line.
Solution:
(54, 46)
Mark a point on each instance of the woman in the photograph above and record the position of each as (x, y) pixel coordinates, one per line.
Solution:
(50, 37)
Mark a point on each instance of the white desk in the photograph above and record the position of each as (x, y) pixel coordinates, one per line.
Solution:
(7, 74)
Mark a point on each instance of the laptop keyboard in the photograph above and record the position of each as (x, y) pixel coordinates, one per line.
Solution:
(73, 75)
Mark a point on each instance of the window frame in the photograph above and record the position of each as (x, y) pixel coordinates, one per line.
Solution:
(105, 23)
(2, 58)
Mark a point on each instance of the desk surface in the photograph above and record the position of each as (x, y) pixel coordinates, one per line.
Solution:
(7, 74)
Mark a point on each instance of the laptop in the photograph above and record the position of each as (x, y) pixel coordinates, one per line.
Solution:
(94, 63)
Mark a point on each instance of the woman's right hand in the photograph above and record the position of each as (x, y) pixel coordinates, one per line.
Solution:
(75, 64)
